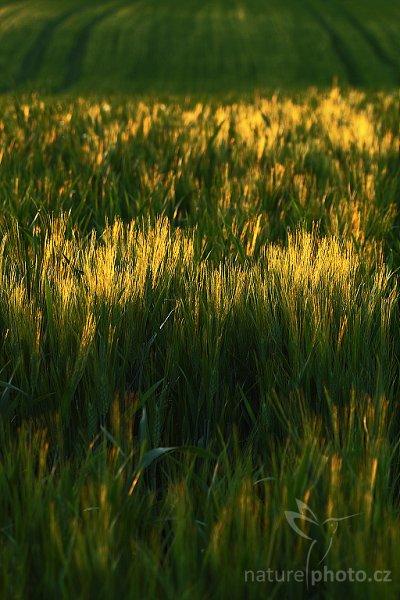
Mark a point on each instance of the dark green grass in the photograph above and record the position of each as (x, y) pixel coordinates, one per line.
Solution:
(220, 46)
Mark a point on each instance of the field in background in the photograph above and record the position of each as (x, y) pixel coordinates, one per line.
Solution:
(174, 380)
(201, 46)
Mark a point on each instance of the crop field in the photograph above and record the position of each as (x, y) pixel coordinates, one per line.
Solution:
(199, 300)
(199, 324)
(200, 46)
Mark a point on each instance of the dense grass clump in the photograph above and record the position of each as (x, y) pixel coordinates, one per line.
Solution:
(199, 325)
(118, 314)
(242, 173)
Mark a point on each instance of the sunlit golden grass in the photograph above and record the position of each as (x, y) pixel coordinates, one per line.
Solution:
(199, 324)
(241, 173)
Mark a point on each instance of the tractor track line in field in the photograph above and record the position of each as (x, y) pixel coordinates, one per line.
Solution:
(78, 51)
(353, 74)
(373, 43)
(33, 59)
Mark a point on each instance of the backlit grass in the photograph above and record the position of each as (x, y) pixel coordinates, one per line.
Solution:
(199, 324)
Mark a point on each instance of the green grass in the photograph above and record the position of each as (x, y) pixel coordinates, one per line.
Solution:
(199, 324)
(199, 300)
(200, 47)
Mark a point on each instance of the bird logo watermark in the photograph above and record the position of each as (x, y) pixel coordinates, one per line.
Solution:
(306, 515)
(320, 534)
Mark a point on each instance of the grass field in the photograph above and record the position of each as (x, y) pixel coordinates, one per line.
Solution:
(199, 300)
(210, 46)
